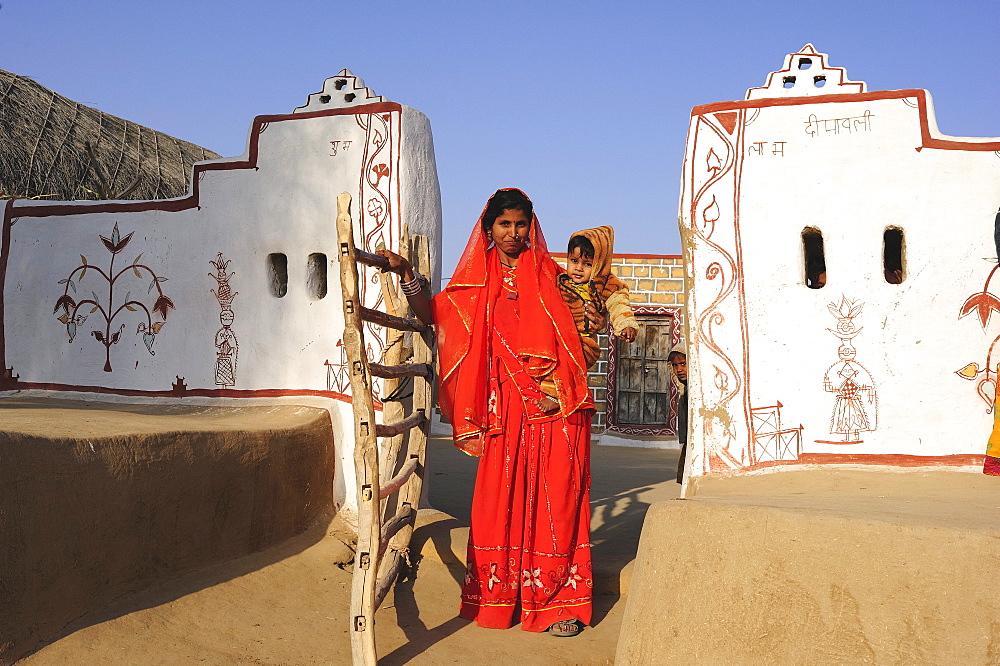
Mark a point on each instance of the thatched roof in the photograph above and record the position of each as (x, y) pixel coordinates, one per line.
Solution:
(48, 144)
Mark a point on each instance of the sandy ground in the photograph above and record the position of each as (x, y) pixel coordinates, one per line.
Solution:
(289, 605)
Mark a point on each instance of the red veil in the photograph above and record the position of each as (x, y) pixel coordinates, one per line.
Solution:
(548, 342)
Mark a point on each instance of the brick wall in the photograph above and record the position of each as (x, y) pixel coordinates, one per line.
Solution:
(652, 280)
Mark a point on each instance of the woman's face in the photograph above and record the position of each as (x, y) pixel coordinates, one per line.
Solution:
(510, 231)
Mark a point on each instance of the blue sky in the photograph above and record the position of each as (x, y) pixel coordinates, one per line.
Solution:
(584, 105)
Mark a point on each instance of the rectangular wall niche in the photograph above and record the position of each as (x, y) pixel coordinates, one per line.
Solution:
(894, 255)
(813, 258)
(316, 276)
(277, 274)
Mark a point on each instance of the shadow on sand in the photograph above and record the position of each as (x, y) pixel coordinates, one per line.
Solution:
(624, 482)
(418, 635)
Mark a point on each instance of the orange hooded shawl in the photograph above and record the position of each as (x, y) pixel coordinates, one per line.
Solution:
(548, 344)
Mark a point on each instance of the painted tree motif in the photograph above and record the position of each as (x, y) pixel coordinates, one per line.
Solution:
(72, 318)
(983, 304)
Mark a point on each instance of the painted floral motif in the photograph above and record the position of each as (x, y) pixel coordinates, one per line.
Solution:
(983, 304)
(711, 181)
(111, 307)
(379, 226)
(381, 171)
(375, 208)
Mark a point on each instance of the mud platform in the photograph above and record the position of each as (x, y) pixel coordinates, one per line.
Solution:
(820, 567)
(100, 500)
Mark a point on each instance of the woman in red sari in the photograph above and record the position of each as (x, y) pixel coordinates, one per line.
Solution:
(514, 387)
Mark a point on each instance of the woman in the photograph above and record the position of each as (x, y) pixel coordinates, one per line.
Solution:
(514, 387)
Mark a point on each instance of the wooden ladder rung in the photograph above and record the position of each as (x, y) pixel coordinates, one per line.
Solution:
(391, 321)
(378, 261)
(401, 370)
(396, 482)
(369, 259)
(398, 428)
(396, 559)
(393, 525)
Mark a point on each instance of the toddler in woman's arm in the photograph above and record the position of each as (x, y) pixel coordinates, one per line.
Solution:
(588, 279)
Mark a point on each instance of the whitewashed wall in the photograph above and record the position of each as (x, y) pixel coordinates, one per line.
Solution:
(850, 163)
(279, 197)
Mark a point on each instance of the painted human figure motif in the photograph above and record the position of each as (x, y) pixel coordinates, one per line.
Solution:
(228, 350)
(226, 344)
(855, 408)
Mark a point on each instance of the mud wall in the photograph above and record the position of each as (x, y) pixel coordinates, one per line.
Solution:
(86, 519)
(841, 269)
(232, 291)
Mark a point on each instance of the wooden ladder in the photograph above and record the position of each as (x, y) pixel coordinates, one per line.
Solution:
(387, 501)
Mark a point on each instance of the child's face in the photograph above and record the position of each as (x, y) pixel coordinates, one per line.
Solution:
(579, 267)
(679, 363)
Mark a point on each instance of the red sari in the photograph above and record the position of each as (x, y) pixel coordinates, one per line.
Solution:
(501, 341)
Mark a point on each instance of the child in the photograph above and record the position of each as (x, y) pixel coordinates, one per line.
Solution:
(588, 278)
(678, 363)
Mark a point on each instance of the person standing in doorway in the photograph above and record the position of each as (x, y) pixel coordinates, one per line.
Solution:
(678, 364)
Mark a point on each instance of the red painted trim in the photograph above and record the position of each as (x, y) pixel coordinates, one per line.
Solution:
(200, 393)
(645, 256)
(766, 102)
(729, 171)
(927, 141)
(652, 310)
(883, 459)
(562, 255)
(741, 294)
(897, 459)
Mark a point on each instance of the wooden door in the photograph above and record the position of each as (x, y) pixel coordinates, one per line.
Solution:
(642, 384)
